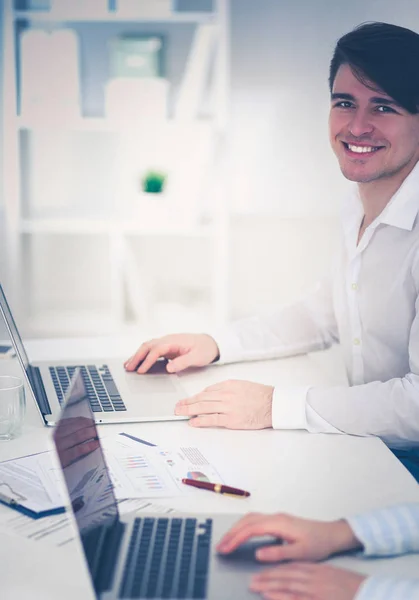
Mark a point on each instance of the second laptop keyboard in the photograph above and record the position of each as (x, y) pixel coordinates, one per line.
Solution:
(100, 386)
(167, 559)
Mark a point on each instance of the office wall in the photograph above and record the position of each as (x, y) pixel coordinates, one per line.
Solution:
(284, 184)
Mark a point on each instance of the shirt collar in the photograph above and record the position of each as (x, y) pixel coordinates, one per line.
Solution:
(401, 211)
(403, 208)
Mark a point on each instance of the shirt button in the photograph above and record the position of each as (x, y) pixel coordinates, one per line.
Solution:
(357, 342)
(354, 286)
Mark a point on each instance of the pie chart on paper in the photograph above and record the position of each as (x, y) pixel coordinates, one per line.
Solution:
(197, 476)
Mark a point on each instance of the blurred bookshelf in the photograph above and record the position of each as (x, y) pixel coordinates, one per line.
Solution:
(75, 181)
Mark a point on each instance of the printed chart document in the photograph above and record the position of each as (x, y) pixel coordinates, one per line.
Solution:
(33, 484)
(139, 470)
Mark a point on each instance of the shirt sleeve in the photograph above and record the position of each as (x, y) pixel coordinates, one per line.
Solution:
(291, 411)
(388, 588)
(389, 531)
(299, 328)
(387, 409)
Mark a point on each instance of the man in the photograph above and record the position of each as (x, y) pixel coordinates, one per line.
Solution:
(370, 305)
(386, 532)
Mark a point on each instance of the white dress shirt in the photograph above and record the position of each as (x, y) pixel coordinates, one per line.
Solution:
(370, 305)
(389, 531)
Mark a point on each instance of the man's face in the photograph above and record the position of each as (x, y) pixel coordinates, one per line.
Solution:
(372, 136)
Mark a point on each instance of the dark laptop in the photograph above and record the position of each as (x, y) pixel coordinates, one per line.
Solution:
(139, 557)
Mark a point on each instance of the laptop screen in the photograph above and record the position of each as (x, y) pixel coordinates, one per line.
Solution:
(83, 464)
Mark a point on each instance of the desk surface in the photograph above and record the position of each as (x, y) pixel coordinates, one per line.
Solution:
(311, 475)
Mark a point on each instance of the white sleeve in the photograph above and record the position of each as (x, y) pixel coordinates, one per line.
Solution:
(291, 411)
(387, 409)
(299, 328)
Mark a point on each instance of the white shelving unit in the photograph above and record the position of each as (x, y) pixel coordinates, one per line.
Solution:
(126, 287)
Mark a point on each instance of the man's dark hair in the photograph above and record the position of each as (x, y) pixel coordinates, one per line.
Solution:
(382, 56)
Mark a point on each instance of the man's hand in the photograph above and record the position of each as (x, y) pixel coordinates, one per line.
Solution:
(305, 539)
(305, 581)
(182, 349)
(231, 404)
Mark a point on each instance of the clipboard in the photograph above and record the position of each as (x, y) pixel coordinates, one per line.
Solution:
(17, 504)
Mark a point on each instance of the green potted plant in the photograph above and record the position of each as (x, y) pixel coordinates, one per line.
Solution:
(153, 182)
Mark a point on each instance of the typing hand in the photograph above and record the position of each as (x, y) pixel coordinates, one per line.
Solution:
(305, 581)
(231, 404)
(182, 349)
(305, 539)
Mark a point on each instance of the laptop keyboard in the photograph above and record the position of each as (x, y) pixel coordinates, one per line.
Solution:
(167, 559)
(100, 386)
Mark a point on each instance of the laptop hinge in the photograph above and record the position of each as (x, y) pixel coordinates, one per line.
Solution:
(34, 376)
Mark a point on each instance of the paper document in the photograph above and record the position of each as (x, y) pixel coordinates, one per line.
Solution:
(24, 484)
(34, 484)
(153, 472)
(57, 530)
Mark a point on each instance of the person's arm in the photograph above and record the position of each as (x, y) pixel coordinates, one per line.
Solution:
(389, 409)
(388, 531)
(301, 327)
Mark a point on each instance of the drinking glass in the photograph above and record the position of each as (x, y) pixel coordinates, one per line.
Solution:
(12, 406)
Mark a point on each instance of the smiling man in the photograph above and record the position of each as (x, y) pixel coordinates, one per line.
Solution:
(370, 303)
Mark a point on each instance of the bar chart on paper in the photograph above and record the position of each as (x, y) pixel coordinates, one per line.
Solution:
(138, 468)
(144, 478)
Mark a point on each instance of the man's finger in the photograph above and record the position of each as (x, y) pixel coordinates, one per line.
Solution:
(284, 578)
(216, 420)
(198, 408)
(231, 533)
(182, 362)
(278, 552)
(152, 357)
(203, 396)
(132, 363)
(296, 570)
(252, 529)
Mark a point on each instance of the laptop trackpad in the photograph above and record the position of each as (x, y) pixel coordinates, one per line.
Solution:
(151, 384)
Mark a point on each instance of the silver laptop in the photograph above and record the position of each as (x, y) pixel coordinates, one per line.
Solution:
(115, 396)
(151, 556)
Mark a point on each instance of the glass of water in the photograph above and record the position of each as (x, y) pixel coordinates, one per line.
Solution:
(12, 406)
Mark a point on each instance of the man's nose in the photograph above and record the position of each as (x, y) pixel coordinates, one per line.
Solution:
(360, 124)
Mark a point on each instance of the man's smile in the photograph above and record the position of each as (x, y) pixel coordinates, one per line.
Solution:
(364, 149)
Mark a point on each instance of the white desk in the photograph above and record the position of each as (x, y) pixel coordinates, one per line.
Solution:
(316, 476)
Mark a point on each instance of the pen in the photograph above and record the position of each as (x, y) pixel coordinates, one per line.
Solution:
(218, 488)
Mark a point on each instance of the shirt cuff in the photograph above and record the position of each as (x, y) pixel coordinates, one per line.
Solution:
(388, 588)
(316, 423)
(389, 531)
(289, 408)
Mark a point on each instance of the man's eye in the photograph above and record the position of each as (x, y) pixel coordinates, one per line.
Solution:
(385, 109)
(343, 104)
